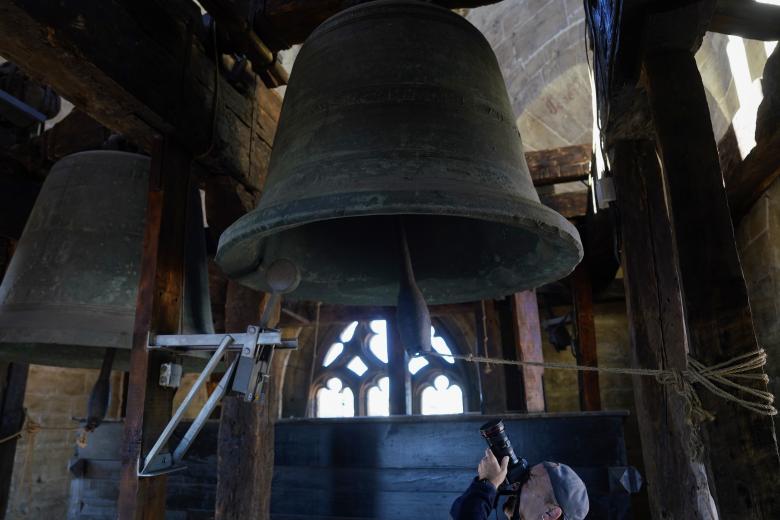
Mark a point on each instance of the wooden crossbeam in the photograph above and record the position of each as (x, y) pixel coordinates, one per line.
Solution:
(298, 314)
(283, 23)
(141, 68)
(749, 19)
(717, 310)
(569, 204)
(754, 176)
(557, 165)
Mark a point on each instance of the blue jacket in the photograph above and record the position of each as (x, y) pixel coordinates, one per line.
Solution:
(476, 503)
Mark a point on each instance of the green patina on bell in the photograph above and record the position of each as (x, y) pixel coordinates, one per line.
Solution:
(398, 108)
(70, 289)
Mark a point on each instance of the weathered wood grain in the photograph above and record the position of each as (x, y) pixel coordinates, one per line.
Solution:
(492, 378)
(13, 382)
(658, 341)
(742, 453)
(246, 432)
(556, 165)
(158, 309)
(570, 205)
(587, 352)
(140, 69)
(753, 20)
(283, 23)
(528, 344)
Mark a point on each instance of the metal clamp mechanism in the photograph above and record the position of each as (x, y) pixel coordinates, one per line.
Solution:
(246, 375)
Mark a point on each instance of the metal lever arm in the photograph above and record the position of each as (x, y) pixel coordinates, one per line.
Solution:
(154, 462)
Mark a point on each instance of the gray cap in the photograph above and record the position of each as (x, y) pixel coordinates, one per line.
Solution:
(569, 489)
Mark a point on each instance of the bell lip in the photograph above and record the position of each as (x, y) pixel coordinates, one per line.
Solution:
(113, 153)
(248, 232)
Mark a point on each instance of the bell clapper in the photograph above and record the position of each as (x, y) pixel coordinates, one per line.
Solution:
(412, 315)
(99, 396)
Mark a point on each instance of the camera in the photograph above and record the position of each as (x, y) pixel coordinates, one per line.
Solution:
(495, 436)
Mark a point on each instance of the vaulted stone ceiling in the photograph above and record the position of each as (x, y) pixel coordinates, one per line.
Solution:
(540, 45)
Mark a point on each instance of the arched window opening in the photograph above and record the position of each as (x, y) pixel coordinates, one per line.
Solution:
(354, 379)
(442, 397)
(378, 398)
(335, 400)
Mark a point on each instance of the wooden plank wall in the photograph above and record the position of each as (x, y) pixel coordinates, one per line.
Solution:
(379, 468)
(94, 490)
(410, 467)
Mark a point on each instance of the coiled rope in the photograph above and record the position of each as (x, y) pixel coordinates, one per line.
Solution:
(722, 379)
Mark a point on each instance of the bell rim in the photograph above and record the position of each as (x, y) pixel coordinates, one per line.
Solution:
(248, 232)
(103, 153)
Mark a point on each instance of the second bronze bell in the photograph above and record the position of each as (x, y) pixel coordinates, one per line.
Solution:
(70, 289)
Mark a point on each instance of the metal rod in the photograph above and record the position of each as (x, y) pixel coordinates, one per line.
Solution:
(171, 426)
(269, 309)
(204, 414)
(195, 341)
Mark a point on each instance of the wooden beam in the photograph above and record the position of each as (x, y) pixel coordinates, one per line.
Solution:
(158, 309)
(572, 204)
(13, 382)
(283, 23)
(753, 20)
(754, 176)
(742, 449)
(304, 314)
(398, 371)
(587, 354)
(246, 432)
(513, 375)
(556, 165)
(17, 197)
(140, 69)
(528, 345)
(77, 132)
(492, 378)
(677, 485)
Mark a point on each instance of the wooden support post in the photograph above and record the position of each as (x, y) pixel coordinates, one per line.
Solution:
(677, 484)
(13, 382)
(492, 378)
(742, 449)
(513, 375)
(528, 345)
(246, 430)
(158, 309)
(398, 372)
(582, 292)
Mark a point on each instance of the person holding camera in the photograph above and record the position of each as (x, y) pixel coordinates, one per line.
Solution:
(549, 491)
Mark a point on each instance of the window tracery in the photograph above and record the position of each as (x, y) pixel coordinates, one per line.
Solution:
(351, 377)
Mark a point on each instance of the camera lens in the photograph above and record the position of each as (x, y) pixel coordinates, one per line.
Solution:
(498, 442)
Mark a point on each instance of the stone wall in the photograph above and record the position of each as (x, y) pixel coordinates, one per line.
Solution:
(41, 480)
(758, 240)
(56, 398)
(540, 46)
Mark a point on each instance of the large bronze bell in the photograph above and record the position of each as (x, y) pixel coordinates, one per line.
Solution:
(70, 289)
(398, 108)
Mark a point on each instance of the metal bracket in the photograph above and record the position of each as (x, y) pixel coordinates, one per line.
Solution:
(245, 375)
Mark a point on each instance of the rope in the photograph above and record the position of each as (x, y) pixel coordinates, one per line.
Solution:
(31, 427)
(718, 379)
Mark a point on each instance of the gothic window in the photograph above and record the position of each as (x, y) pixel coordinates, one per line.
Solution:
(351, 377)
